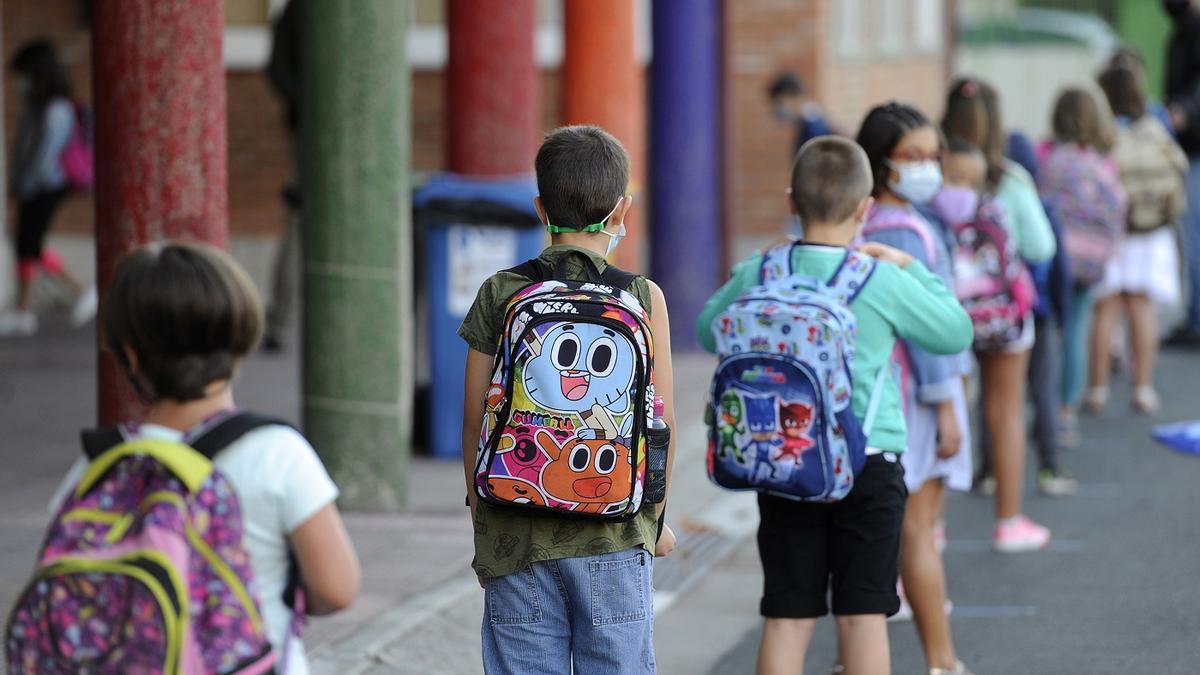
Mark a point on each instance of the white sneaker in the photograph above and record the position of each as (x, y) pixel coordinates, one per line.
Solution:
(85, 307)
(18, 324)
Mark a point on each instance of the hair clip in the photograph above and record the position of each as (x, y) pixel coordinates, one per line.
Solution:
(969, 88)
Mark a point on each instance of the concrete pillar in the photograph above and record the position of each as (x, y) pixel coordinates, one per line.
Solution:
(158, 82)
(685, 142)
(358, 305)
(494, 91)
(602, 85)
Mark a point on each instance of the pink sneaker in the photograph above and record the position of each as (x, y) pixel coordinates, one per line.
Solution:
(1019, 534)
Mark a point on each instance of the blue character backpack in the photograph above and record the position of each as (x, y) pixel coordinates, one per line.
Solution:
(780, 415)
(564, 429)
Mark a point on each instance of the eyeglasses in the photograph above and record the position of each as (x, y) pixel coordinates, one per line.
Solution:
(914, 156)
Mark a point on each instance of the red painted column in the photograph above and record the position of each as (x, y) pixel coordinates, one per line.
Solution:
(494, 91)
(158, 80)
(602, 84)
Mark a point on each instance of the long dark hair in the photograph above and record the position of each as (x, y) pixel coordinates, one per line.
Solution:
(48, 78)
(881, 132)
(973, 114)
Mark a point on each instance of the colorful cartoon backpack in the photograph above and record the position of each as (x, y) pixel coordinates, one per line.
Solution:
(143, 569)
(990, 280)
(564, 430)
(1081, 187)
(780, 415)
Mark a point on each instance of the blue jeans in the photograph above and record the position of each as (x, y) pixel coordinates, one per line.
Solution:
(1191, 245)
(1075, 346)
(595, 612)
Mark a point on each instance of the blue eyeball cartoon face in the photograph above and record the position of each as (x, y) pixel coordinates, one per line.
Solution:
(579, 366)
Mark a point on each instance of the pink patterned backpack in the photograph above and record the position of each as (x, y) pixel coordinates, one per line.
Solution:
(143, 569)
(78, 157)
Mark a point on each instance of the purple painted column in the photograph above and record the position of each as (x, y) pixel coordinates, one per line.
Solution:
(685, 154)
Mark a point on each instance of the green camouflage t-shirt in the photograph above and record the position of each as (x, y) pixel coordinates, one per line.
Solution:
(507, 540)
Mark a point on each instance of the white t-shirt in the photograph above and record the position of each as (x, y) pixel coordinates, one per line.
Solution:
(280, 483)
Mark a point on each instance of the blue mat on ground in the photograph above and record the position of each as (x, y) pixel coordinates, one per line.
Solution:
(1181, 436)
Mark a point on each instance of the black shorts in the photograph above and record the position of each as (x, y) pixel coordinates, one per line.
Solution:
(850, 547)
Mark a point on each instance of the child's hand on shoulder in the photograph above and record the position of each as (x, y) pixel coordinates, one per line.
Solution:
(886, 253)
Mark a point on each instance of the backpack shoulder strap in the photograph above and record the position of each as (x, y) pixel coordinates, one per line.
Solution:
(229, 430)
(852, 276)
(893, 219)
(777, 262)
(617, 278)
(531, 269)
(98, 441)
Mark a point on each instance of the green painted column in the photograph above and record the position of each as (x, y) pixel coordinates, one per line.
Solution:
(1146, 26)
(358, 305)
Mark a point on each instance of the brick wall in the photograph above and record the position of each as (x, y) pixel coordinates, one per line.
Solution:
(764, 37)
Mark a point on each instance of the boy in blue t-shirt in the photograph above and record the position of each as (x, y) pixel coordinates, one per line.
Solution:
(850, 547)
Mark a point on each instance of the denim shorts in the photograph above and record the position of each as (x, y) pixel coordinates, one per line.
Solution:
(595, 612)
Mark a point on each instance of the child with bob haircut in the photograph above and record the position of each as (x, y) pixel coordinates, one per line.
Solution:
(179, 317)
(849, 547)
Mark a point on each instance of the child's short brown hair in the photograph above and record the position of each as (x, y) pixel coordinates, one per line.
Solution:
(1125, 91)
(582, 173)
(187, 312)
(830, 178)
(1078, 118)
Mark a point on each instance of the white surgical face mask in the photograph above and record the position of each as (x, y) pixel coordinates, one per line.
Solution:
(919, 182)
(613, 239)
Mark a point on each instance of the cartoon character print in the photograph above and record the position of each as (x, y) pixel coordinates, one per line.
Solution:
(592, 473)
(520, 454)
(515, 490)
(730, 425)
(579, 366)
(763, 425)
(796, 420)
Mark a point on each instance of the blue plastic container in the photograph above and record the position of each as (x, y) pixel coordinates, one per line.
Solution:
(473, 228)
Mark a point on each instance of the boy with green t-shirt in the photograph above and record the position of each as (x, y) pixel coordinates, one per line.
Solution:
(850, 547)
(562, 591)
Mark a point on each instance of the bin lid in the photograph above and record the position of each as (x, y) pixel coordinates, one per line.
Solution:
(506, 200)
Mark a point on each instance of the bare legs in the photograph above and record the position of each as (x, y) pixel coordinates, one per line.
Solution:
(924, 576)
(862, 645)
(1003, 377)
(1143, 330)
(784, 644)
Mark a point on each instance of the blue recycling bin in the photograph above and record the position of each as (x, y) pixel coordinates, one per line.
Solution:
(472, 228)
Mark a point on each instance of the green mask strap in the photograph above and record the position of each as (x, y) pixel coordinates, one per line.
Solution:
(555, 229)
